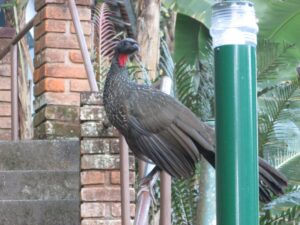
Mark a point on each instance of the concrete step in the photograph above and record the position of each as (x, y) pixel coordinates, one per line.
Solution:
(40, 155)
(40, 182)
(39, 185)
(39, 212)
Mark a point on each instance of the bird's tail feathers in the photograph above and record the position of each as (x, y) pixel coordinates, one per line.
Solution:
(271, 181)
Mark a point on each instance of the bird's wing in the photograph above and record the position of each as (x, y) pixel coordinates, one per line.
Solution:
(165, 131)
(169, 134)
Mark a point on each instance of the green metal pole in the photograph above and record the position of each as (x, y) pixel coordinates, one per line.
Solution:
(236, 124)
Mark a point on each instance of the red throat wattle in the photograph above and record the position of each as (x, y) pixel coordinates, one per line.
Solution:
(122, 59)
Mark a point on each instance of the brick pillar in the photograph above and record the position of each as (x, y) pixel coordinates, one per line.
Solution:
(100, 170)
(6, 34)
(59, 75)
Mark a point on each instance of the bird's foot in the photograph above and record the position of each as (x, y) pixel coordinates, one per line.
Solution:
(147, 183)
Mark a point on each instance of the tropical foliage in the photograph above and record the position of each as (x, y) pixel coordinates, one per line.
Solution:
(278, 87)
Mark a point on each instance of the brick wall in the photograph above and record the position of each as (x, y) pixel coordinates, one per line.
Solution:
(6, 34)
(59, 79)
(59, 75)
(100, 176)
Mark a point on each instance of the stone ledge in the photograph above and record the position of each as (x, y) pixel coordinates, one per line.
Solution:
(100, 146)
(104, 162)
(91, 98)
(57, 129)
(97, 129)
(57, 112)
(92, 112)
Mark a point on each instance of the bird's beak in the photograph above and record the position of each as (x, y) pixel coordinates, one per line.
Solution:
(136, 47)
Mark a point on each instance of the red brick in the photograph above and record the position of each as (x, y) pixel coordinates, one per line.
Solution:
(86, 28)
(4, 83)
(5, 134)
(58, 26)
(52, 98)
(41, 3)
(5, 109)
(116, 210)
(49, 84)
(5, 96)
(62, 12)
(92, 210)
(92, 177)
(5, 70)
(75, 56)
(49, 55)
(101, 194)
(59, 71)
(79, 85)
(116, 179)
(7, 58)
(59, 40)
(7, 32)
(4, 42)
(5, 122)
(106, 194)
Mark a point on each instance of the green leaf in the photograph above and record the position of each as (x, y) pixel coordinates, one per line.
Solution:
(199, 10)
(186, 42)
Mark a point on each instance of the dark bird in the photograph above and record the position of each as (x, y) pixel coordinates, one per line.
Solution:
(160, 129)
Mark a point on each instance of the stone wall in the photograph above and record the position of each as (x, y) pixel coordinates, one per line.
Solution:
(100, 166)
(6, 35)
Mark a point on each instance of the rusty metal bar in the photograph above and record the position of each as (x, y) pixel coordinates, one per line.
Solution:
(141, 169)
(83, 47)
(165, 184)
(17, 38)
(144, 200)
(142, 208)
(125, 192)
(14, 93)
(165, 199)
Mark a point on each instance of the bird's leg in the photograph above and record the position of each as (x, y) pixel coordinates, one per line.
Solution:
(147, 183)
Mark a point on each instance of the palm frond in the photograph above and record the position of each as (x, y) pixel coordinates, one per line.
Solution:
(105, 39)
(185, 195)
(283, 210)
(279, 137)
(272, 107)
(166, 64)
(270, 56)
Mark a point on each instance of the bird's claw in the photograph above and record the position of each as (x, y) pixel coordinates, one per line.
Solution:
(146, 185)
